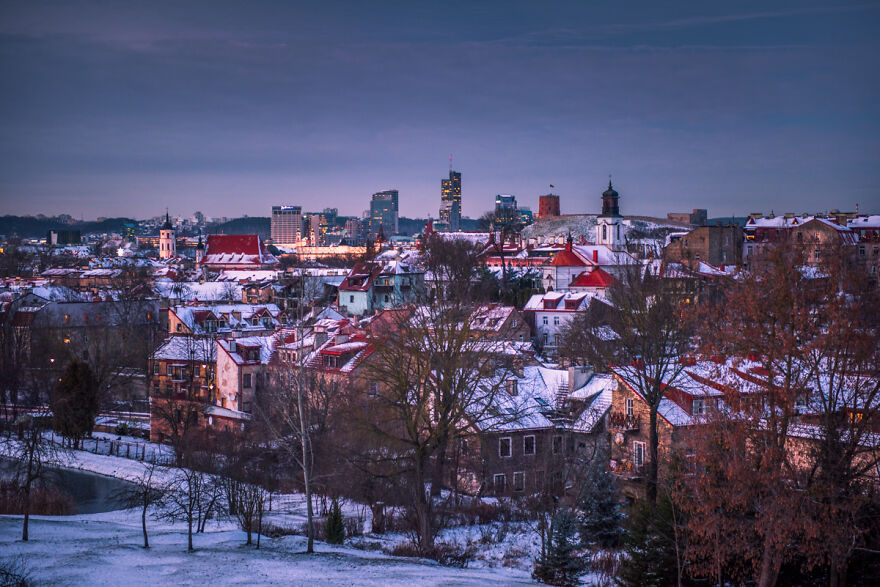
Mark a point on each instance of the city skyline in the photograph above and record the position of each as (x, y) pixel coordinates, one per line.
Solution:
(124, 110)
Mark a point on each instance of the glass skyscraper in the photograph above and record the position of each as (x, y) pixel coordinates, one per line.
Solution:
(450, 201)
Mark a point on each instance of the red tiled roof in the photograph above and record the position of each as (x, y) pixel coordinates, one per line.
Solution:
(567, 258)
(595, 278)
(236, 249)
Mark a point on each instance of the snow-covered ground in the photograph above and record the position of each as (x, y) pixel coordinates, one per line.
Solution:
(105, 549)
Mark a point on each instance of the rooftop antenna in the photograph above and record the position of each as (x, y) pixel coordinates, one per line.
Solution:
(450, 162)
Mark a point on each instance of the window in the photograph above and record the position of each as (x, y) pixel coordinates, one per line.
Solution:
(504, 447)
(246, 381)
(514, 323)
(521, 338)
(156, 368)
(629, 407)
(169, 370)
(386, 298)
(555, 320)
(500, 483)
(512, 386)
(862, 251)
(528, 445)
(373, 389)
(638, 454)
(700, 407)
(519, 481)
(604, 231)
(545, 321)
(557, 445)
(351, 299)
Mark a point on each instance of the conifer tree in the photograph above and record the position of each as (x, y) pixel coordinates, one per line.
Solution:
(599, 505)
(75, 403)
(334, 529)
(561, 564)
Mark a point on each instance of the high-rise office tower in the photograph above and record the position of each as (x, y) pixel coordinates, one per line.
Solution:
(287, 224)
(383, 212)
(506, 213)
(450, 201)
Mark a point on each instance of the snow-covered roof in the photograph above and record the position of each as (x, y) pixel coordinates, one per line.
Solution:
(186, 348)
(265, 344)
(236, 250)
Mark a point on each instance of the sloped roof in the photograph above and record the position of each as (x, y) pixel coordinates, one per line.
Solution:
(237, 249)
(595, 278)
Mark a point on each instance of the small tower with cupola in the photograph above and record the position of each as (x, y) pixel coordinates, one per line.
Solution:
(609, 231)
(200, 250)
(167, 240)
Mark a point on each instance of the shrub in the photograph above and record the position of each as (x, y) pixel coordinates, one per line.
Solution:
(122, 429)
(447, 554)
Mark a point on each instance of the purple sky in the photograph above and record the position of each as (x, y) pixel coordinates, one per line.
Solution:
(112, 108)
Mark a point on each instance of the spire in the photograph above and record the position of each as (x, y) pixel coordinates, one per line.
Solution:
(167, 225)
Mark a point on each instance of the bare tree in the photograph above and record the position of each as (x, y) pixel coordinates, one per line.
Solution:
(452, 262)
(436, 380)
(191, 497)
(294, 408)
(32, 452)
(144, 492)
(650, 329)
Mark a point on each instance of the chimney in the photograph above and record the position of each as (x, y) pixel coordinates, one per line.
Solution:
(578, 377)
(595, 255)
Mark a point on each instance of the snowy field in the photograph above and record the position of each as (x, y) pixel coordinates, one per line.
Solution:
(105, 549)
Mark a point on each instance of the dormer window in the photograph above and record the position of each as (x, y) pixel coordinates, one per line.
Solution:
(512, 386)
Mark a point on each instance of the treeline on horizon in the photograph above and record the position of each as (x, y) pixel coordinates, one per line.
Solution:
(35, 227)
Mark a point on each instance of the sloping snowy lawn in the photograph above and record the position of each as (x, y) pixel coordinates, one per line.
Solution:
(104, 549)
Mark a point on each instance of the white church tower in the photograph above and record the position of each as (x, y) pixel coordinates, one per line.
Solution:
(167, 241)
(609, 231)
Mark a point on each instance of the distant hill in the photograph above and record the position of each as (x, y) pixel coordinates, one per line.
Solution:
(261, 225)
(32, 227)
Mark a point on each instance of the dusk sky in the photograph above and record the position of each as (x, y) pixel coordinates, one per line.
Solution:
(122, 109)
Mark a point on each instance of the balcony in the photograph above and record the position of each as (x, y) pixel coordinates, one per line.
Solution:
(624, 422)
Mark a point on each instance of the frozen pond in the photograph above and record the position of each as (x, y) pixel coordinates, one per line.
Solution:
(91, 493)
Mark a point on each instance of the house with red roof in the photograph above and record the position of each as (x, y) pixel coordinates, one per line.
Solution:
(575, 262)
(226, 252)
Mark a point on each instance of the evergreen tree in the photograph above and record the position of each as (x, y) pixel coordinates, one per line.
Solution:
(75, 402)
(600, 509)
(334, 529)
(561, 564)
(653, 545)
